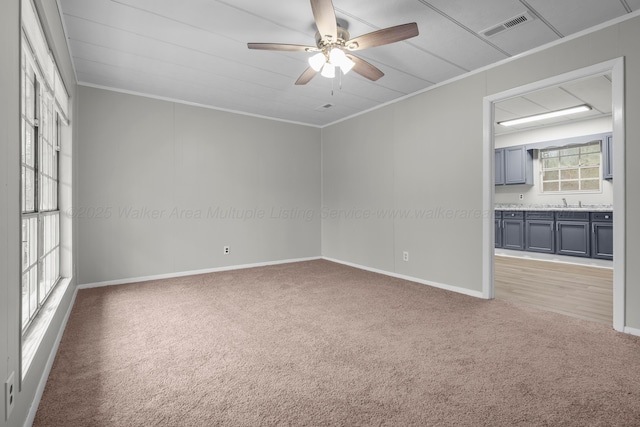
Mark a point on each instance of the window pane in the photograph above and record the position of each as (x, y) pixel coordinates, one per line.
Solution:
(550, 163)
(569, 186)
(570, 174)
(33, 293)
(549, 153)
(42, 292)
(28, 145)
(569, 161)
(33, 240)
(590, 184)
(550, 186)
(550, 176)
(590, 159)
(30, 191)
(569, 151)
(590, 173)
(591, 148)
(25, 245)
(29, 98)
(25, 299)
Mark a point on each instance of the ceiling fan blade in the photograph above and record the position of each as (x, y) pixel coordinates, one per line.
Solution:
(325, 17)
(384, 36)
(306, 76)
(365, 69)
(280, 46)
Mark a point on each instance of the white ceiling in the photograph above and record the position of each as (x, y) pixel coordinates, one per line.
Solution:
(196, 50)
(593, 91)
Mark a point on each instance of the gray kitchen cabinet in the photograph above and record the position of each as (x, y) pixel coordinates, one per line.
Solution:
(540, 231)
(513, 165)
(498, 228)
(513, 230)
(518, 165)
(607, 157)
(602, 235)
(573, 236)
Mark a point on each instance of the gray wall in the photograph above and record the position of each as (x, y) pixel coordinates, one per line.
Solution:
(162, 187)
(427, 157)
(10, 207)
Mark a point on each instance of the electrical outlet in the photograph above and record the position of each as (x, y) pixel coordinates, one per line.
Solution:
(405, 256)
(521, 196)
(9, 395)
(225, 250)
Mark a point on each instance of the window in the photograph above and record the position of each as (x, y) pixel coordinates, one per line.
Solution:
(572, 169)
(40, 145)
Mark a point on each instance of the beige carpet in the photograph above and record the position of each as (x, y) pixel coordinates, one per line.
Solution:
(321, 344)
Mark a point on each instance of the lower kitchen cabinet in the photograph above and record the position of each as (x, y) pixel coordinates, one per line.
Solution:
(540, 232)
(513, 230)
(602, 235)
(564, 232)
(573, 236)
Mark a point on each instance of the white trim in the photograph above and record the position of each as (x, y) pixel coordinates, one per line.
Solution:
(66, 37)
(33, 409)
(616, 68)
(619, 191)
(488, 201)
(631, 331)
(194, 104)
(451, 288)
(190, 273)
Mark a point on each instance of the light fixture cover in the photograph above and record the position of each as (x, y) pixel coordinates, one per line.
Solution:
(543, 116)
(317, 61)
(328, 71)
(338, 58)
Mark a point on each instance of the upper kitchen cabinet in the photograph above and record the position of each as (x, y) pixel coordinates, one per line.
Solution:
(513, 165)
(607, 157)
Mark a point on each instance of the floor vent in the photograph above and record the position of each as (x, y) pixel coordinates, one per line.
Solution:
(508, 24)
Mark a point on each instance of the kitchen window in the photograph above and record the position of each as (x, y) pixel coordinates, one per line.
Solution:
(571, 169)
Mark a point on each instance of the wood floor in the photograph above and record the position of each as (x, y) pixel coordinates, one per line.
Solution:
(575, 290)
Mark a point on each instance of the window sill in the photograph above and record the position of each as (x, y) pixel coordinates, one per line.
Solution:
(35, 333)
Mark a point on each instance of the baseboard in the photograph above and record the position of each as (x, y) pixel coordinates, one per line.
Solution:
(457, 289)
(190, 273)
(631, 331)
(31, 416)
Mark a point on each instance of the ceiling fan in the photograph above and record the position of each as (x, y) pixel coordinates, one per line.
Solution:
(334, 44)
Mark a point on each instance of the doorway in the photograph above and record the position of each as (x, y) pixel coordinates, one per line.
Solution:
(613, 68)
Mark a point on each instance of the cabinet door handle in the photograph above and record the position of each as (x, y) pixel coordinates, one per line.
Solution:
(593, 228)
(557, 226)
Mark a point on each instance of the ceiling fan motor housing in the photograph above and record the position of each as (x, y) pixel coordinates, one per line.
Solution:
(325, 42)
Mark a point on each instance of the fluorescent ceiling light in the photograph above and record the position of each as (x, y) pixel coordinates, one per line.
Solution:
(566, 111)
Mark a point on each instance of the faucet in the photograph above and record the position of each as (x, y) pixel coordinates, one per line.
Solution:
(564, 202)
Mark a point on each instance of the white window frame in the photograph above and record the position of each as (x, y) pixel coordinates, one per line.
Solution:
(581, 168)
(41, 221)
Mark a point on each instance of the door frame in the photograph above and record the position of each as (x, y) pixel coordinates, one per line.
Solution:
(616, 68)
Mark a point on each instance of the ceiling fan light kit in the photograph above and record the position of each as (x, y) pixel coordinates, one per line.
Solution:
(332, 41)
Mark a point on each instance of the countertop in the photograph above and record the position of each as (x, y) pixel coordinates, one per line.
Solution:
(584, 208)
